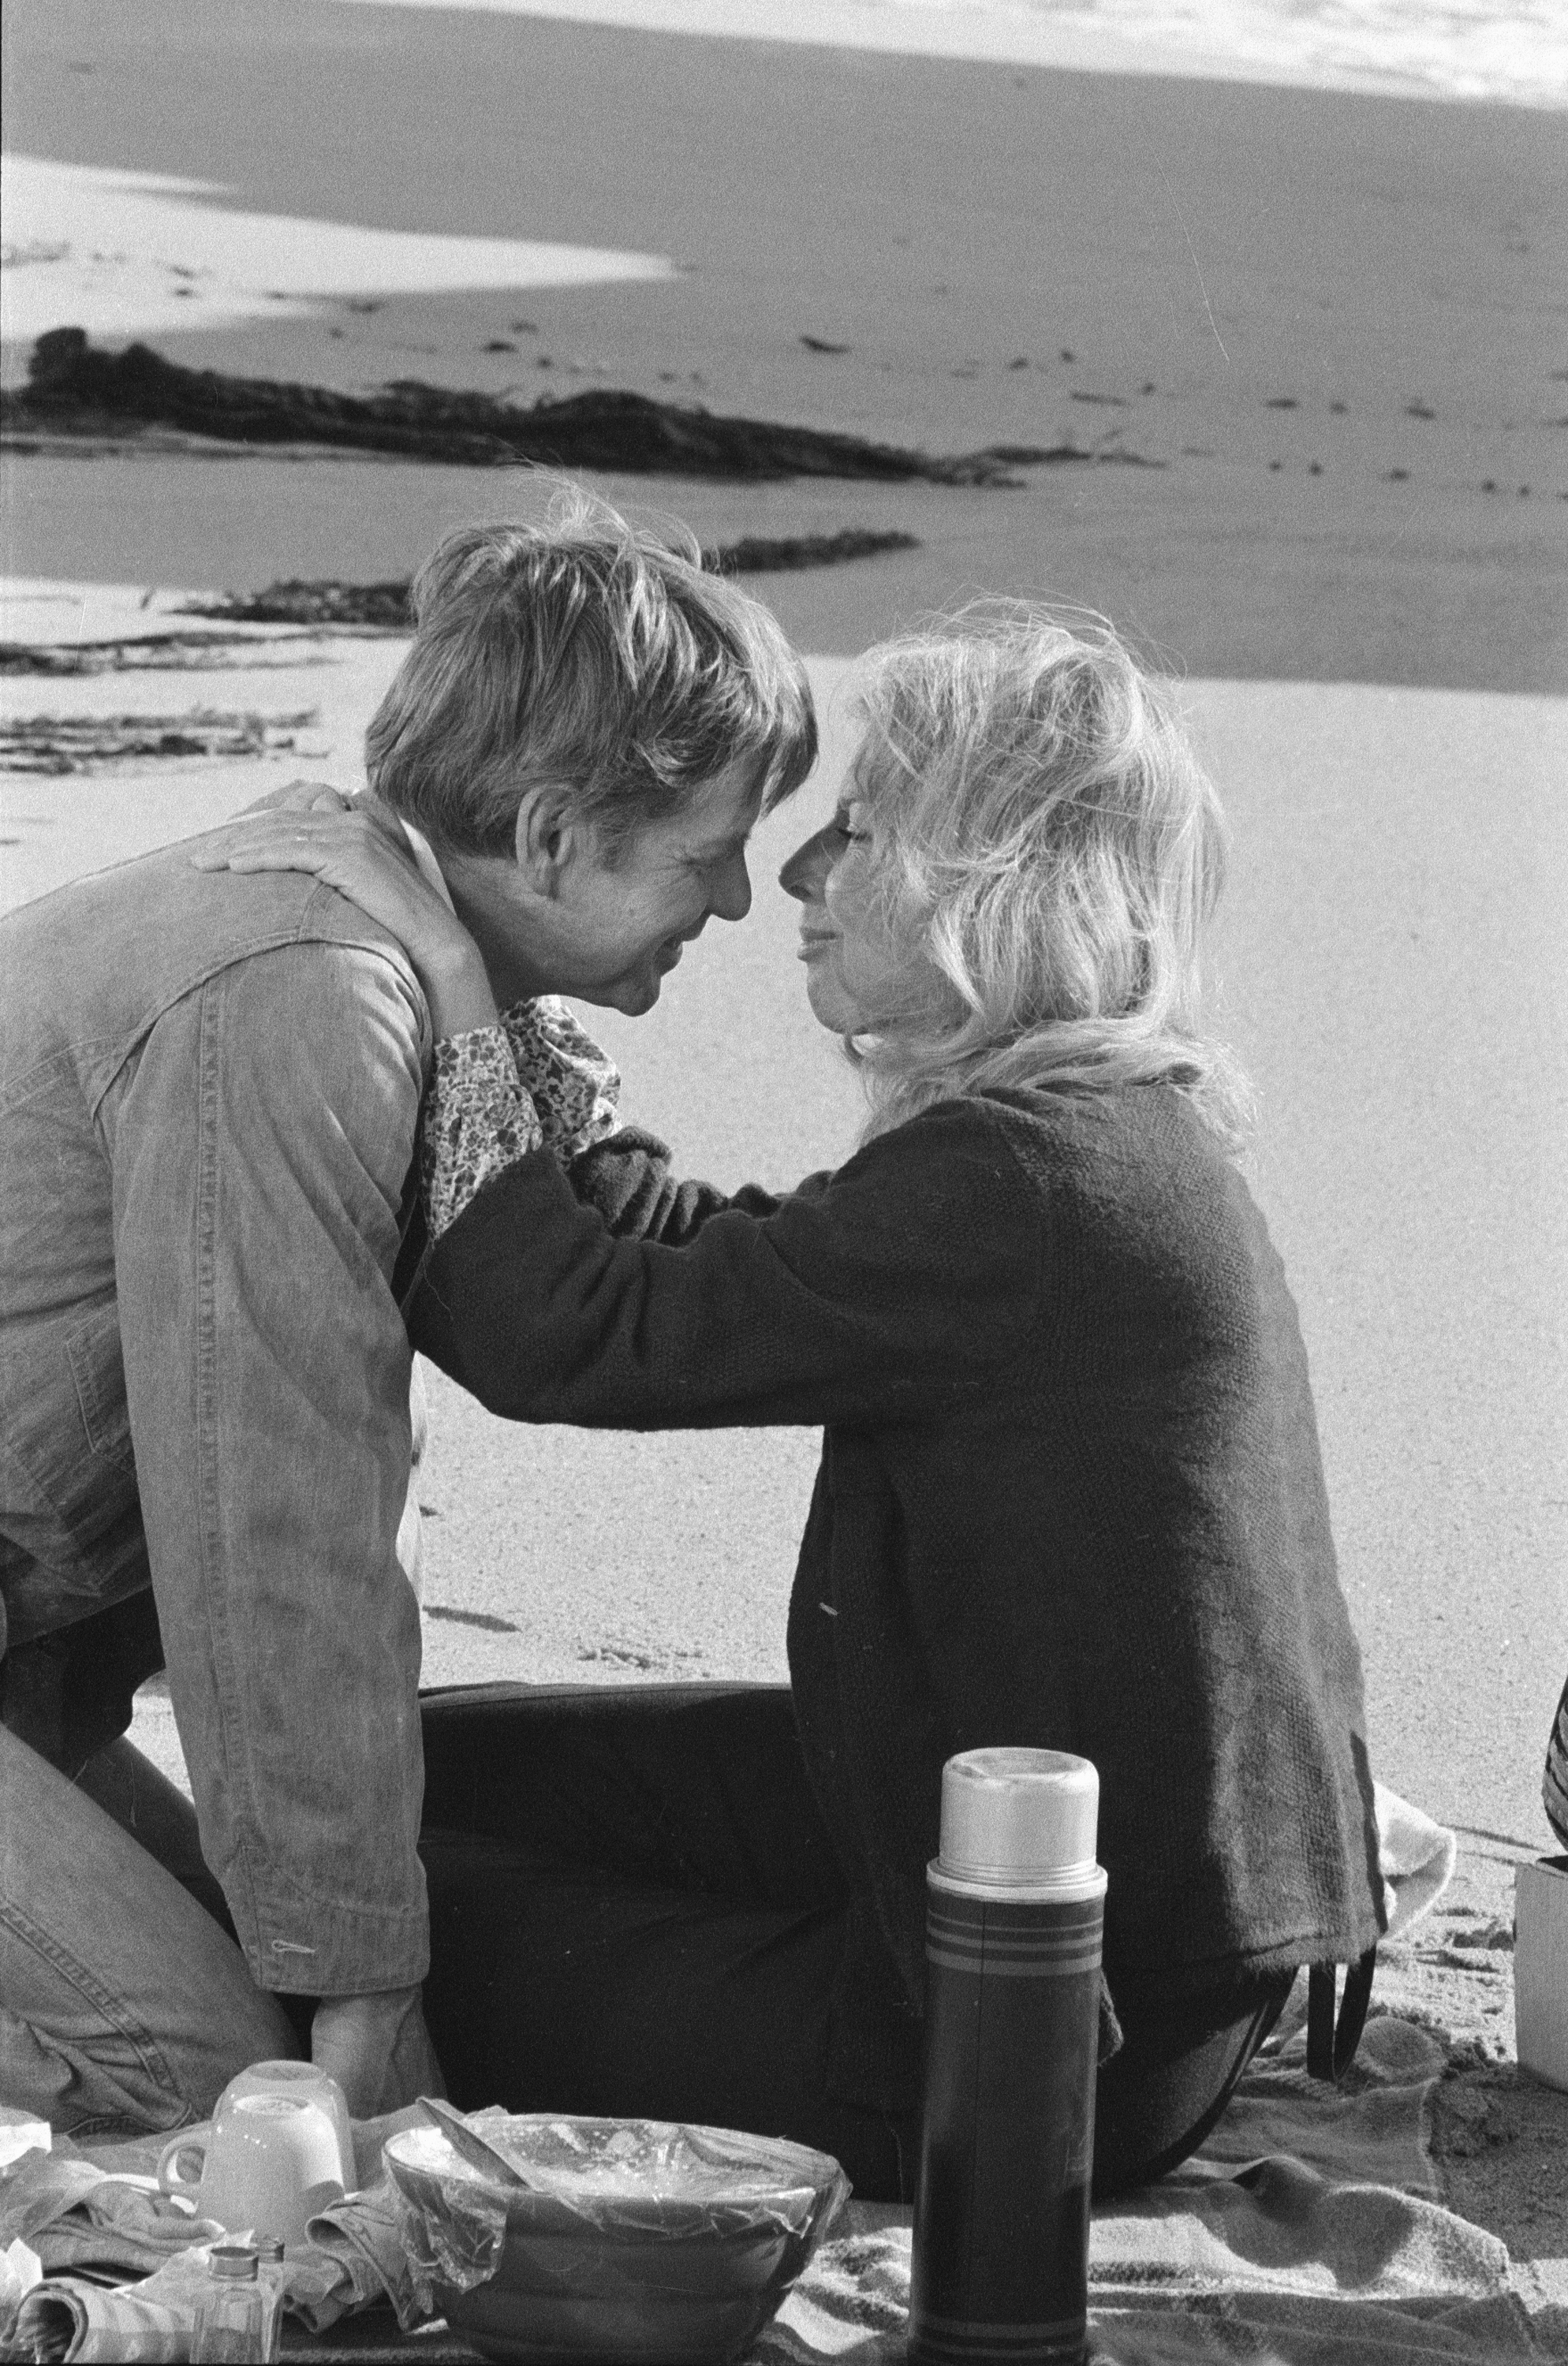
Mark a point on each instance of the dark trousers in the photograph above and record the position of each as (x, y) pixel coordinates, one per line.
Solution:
(636, 1910)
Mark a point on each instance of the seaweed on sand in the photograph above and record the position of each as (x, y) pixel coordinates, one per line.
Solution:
(385, 606)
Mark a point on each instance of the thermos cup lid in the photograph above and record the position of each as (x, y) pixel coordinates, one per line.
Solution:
(1020, 1819)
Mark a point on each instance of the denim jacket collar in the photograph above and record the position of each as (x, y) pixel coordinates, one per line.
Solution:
(430, 870)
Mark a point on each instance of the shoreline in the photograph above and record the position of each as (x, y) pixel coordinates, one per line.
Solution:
(1291, 47)
(1221, 570)
(1332, 317)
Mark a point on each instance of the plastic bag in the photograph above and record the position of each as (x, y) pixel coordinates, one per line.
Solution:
(636, 2205)
(451, 2222)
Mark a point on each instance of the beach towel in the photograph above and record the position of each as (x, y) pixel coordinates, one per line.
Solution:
(1308, 2232)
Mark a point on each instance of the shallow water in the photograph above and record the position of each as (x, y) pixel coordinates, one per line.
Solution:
(1509, 51)
(1512, 50)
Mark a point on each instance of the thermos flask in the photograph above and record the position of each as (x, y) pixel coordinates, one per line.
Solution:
(1015, 1911)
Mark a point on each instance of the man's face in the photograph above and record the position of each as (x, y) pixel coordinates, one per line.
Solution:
(609, 933)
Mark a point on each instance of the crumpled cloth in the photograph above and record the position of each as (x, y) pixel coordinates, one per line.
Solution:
(67, 2317)
(361, 2238)
(1415, 1858)
(74, 2215)
(78, 2215)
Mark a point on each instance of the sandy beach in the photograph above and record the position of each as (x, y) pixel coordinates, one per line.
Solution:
(1325, 318)
(1309, 341)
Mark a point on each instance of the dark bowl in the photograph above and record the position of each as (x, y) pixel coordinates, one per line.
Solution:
(676, 2258)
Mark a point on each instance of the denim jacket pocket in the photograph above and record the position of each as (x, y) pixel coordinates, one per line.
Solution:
(93, 1351)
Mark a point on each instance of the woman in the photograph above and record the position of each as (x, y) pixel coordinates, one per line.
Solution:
(1070, 1494)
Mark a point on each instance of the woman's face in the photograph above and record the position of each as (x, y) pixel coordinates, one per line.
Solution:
(856, 978)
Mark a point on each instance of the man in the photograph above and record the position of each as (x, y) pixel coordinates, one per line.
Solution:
(211, 1089)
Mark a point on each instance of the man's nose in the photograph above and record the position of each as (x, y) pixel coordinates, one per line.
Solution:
(808, 867)
(731, 896)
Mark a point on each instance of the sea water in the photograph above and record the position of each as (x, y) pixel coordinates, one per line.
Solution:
(1509, 51)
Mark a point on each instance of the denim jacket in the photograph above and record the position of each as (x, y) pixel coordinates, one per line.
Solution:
(209, 1092)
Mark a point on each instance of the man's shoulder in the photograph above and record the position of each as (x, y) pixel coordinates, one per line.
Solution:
(100, 961)
(159, 897)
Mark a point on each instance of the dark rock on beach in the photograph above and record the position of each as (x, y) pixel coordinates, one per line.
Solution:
(77, 390)
(766, 555)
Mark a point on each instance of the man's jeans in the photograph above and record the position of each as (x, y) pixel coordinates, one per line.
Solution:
(128, 2008)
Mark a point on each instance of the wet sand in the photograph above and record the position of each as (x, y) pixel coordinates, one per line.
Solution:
(1330, 318)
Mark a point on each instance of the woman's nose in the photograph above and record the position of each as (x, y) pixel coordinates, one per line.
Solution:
(807, 868)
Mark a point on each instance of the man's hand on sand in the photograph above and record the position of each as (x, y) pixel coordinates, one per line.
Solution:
(377, 2049)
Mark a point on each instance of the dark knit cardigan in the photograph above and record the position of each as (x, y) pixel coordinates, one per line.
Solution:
(1070, 1497)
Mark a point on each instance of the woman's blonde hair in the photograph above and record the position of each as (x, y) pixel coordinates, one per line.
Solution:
(1047, 843)
(581, 651)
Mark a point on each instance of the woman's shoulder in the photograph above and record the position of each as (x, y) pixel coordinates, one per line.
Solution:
(1127, 1131)
(1134, 1166)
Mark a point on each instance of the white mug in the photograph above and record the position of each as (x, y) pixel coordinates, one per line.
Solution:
(267, 2166)
(300, 2078)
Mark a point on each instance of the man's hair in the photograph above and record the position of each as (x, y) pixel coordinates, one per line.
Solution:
(581, 651)
(1049, 845)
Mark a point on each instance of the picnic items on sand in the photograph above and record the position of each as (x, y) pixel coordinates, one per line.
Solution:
(305, 2081)
(1015, 1913)
(269, 2164)
(272, 2274)
(1309, 2231)
(1541, 1968)
(620, 2239)
(1540, 1928)
(231, 2315)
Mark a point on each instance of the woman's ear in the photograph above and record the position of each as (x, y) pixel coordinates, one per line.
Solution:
(549, 837)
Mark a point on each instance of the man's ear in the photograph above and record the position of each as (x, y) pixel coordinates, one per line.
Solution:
(550, 835)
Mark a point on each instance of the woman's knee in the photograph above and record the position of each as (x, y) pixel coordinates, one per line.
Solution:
(1161, 2097)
